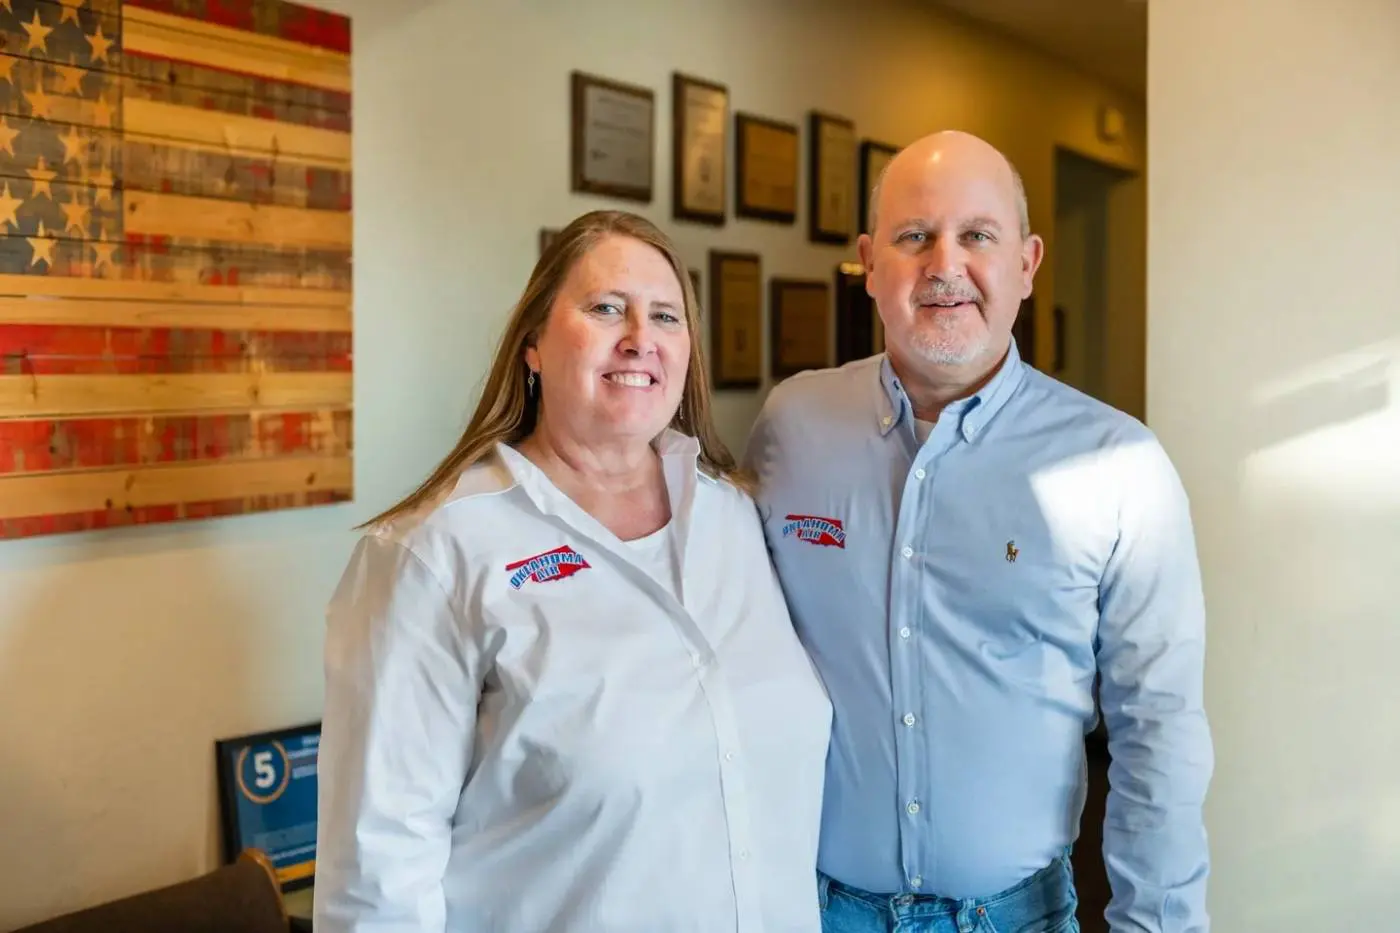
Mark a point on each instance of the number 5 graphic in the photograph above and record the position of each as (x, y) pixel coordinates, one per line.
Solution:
(271, 771)
(267, 775)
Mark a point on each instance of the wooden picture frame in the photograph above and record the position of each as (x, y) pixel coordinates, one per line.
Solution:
(736, 319)
(874, 156)
(831, 178)
(547, 235)
(612, 137)
(799, 315)
(766, 168)
(699, 149)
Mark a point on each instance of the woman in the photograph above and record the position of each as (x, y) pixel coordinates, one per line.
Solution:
(562, 688)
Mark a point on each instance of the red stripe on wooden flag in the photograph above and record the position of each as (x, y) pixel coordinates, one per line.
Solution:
(292, 21)
(36, 525)
(190, 85)
(46, 349)
(40, 445)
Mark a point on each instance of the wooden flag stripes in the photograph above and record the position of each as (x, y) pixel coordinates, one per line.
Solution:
(175, 261)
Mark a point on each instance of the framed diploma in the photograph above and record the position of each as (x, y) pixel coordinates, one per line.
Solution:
(736, 320)
(831, 199)
(267, 799)
(855, 315)
(700, 140)
(799, 313)
(765, 170)
(874, 156)
(613, 135)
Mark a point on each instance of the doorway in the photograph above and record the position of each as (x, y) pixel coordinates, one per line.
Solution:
(1100, 280)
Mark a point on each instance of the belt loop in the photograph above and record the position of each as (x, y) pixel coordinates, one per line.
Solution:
(968, 914)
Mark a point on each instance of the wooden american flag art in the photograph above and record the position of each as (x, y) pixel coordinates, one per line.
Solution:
(175, 252)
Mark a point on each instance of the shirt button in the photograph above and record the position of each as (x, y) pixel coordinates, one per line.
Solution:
(885, 421)
(909, 719)
(919, 473)
(907, 552)
(904, 632)
(743, 854)
(913, 806)
(728, 756)
(916, 881)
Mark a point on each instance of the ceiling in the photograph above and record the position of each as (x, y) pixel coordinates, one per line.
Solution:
(1105, 38)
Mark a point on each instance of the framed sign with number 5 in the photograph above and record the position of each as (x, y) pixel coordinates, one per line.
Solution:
(267, 799)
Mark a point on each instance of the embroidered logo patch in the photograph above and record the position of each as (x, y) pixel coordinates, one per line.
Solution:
(552, 565)
(823, 532)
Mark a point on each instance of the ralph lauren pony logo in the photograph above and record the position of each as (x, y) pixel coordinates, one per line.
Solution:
(558, 564)
(814, 529)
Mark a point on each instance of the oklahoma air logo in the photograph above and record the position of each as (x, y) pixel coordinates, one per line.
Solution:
(558, 564)
(823, 532)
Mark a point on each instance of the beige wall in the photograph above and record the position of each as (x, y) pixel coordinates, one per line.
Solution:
(124, 655)
(1274, 336)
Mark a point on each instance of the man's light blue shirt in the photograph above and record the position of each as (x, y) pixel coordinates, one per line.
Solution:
(959, 595)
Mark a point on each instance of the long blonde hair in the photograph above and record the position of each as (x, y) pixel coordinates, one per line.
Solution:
(507, 412)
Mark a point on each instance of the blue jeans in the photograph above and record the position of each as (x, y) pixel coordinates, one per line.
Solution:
(1043, 903)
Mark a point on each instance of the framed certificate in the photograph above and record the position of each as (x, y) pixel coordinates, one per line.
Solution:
(700, 140)
(831, 202)
(856, 316)
(766, 168)
(736, 320)
(613, 131)
(874, 156)
(267, 799)
(800, 317)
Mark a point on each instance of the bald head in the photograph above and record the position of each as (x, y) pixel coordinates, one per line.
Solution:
(957, 154)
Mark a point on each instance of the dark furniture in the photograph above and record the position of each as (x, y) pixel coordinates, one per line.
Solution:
(242, 897)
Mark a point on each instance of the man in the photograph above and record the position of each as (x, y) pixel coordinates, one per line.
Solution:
(966, 544)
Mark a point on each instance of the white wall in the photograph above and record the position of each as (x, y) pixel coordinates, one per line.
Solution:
(124, 655)
(1274, 333)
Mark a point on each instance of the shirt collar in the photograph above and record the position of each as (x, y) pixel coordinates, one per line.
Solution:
(680, 455)
(893, 405)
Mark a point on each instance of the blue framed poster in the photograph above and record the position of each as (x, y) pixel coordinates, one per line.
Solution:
(267, 799)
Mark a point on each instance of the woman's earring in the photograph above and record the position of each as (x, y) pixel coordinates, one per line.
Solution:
(530, 384)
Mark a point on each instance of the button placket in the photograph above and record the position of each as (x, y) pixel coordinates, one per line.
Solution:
(911, 523)
(735, 796)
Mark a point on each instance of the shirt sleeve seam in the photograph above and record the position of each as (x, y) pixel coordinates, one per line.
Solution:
(463, 630)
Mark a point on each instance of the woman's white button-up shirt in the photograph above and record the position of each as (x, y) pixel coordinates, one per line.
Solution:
(531, 726)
